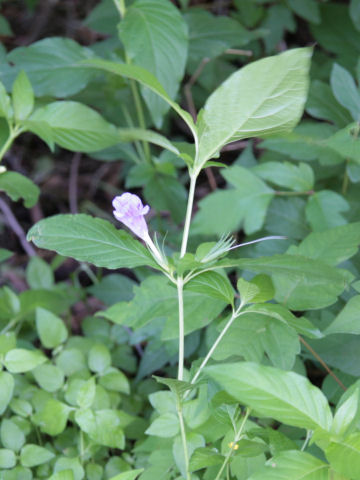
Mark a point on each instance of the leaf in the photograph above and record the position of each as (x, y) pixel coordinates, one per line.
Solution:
(53, 66)
(346, 143)
(12, 437)
(99, 358)
(301, 283)
(33, 455)
(210, 35)
(51, 329)
(63, 475)
(6, 390)
(49, 377)
(129, 475)
(285, 396)
(247, 290)
(7, 458)
(193, 441)
(89, 239)
(22, 96)
(178, 387)
(347, 321)
(293, 464)
(346, 413)
(134, 134)
(17, 186)
(86, 394)
(344, 456)
(39, 274)
(214, 285)
(332, 246)
(247, 205)
(324, 210)
(257, 331)
(205, 457)
(5, 254)
(146, 78)
(155, 298)
(345, 90)
(354, 11)
(155, 37)
(20, 360)
(74, 126)
(68, 464)
(5, 104)
(104, 427)
(166, 425)
(307, 9)
(297, 178)
(265, 97)
(322, 104)
(52, 417)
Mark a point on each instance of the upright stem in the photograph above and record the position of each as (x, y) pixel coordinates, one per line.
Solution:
(188, 214)
(183, 438)
(216, 343)
(180, 286)
(140, 115)
(236, 439)
(12, 135)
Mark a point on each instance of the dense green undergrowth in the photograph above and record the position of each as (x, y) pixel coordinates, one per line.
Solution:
(225, 342)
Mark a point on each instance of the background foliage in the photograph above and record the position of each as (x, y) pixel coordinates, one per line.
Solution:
(97, 98)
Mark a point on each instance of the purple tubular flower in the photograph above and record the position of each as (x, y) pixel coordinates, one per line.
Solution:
(130, 211)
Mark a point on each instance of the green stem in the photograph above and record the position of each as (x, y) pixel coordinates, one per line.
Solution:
(140, 115)
(180, 286)
(236, 439)
(183, 438)
(189, 208)
(12, 135)
(234, 315)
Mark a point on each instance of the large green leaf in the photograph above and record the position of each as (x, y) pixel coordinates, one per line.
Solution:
(344, 456)
(155, 37)
(211, 35)
(301, 283)
(265, 97)
(246, 205)
(146, 78)
(258, 332)
(294, 177)
(89, 239)
(348, 319)
(331, 246)
(285, 396)
(52, 65)
(155, 299)
(294, 465)
(17, 186)
(324, 210)
(345, 90)
(74, 126)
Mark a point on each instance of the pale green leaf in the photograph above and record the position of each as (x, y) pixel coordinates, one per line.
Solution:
(345, 90)
(129, 475)
(6, 390)
(212, 284)
(74, 126)
(166, 425)
(294, 465)
(18, 186)
(347, 321)
(51, 329)
(265, 97)
(247, 290)
(52, 65)
(89, 239)
(20, 360)
(22, 96)
(344, 456)
(33, 455)
(325, 209)
(298, 178)
(155, 37)
(285, 396)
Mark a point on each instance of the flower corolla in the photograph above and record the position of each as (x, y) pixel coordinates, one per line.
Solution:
(129, 210)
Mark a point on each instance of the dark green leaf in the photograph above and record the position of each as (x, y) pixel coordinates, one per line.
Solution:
(17, 186)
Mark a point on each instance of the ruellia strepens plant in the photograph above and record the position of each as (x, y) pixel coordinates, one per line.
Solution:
(206, 421)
